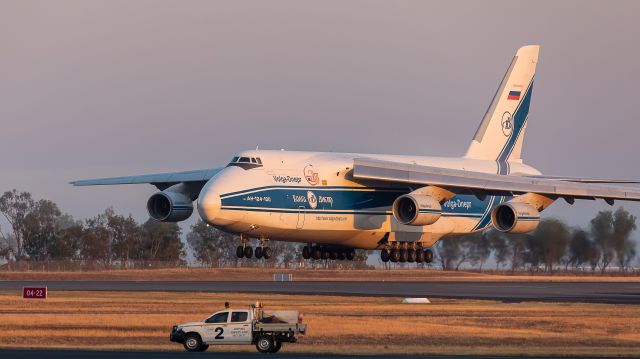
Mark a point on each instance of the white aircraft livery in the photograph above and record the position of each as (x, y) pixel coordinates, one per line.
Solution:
(401, 205)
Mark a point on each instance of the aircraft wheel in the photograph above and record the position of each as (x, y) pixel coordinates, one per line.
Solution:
(248, 252)
(403, 255)
(411, 255)
(384, 255)
(306, 253)
(342, 256)
(333, 255)
(419, 256)
(428, 255)
(325, 253)
(240, 252)
(316, 253)
(267, 253)
(258, 252)
(395, 255)
(351, 254)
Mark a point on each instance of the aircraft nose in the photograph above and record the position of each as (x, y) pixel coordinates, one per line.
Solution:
(209, 205)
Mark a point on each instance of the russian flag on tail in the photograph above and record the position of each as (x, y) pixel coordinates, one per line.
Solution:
(515, 92)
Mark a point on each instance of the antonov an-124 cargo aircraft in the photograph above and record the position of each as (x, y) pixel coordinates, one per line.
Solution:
(400, 205)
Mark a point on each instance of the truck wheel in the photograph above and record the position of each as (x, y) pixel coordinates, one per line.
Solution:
(203, 348)
(276, 347)
(192, 343)
(264, 344)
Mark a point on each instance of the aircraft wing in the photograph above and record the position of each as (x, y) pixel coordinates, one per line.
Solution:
(460, 181)
(588, 180)
(160, 180)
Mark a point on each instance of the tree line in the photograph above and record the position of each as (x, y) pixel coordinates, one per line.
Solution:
(39, 232)
(553, 245)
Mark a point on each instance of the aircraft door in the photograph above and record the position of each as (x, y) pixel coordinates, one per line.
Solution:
(300, 223)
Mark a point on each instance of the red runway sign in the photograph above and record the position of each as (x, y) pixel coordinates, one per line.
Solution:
(34, 292)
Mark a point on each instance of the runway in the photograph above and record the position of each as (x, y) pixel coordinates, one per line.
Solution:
(592, 292)
(55, 354)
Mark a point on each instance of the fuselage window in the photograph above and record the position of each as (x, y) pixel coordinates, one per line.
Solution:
(259, 161)
(253, 160)
(244, 160)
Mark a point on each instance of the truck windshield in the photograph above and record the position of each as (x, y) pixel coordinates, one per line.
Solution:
(218, 318)
(239, 317)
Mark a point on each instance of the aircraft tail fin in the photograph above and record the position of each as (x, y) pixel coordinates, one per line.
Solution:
(501, 132)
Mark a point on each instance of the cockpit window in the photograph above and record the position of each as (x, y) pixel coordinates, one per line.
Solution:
(245, 162)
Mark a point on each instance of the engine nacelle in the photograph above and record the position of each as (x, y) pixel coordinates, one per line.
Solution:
(416, 209)
(515, 217)
(170, 206)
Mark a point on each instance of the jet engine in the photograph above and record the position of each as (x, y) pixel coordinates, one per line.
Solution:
(515, 217)
(416, 209)
(170, 205)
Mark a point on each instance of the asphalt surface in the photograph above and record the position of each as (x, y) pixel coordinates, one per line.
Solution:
(54, 354)
(592, 292)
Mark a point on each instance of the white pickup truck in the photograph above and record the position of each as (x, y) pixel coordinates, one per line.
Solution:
(266, 329)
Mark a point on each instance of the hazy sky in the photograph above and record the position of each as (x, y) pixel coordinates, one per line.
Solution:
(104, 88)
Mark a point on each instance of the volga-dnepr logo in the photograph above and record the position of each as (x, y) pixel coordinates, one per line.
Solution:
(507, 124)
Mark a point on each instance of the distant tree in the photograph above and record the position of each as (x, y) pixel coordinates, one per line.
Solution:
(547, 245)
(499, 246)
(479, 247)
(95, 242)
(66, 243)
(161, 242)
(451, 253)
(39, 230)
(211, 246)
(517, 249)
(14, 206)
(581, 249)
(125, 237)
(625, 248)
(602, 231)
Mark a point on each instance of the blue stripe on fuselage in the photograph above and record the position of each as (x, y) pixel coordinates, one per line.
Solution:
(346, 200)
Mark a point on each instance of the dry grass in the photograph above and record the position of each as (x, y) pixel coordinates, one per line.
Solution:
(126, 320)
(236, 274)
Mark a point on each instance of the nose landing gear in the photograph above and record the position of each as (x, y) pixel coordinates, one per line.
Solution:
(246, 251)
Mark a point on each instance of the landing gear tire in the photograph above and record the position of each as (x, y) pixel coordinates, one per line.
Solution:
(316, 253)
(351, 254)
(264, 344)
(306, 253)
(267, 253)
(395, 255)
(342, 256)
(276, 347)
(333, 255)
(411, 255)
(428, 255)
(248, 252)
(403, 255)
(192, 343)
(419, 256)
(240, 252)
(384, 255)
(258, 252)
(325, 253)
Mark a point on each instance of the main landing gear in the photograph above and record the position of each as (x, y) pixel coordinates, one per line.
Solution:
(246, 251)
(332, 253)
(406, 252)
